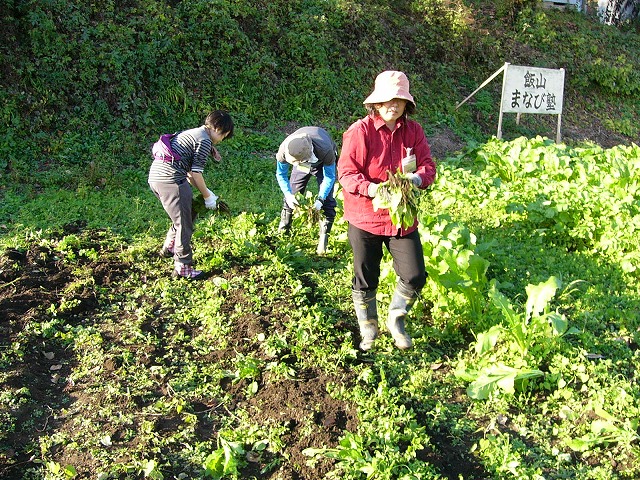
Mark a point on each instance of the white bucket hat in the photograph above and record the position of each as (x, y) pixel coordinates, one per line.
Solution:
(389, 85)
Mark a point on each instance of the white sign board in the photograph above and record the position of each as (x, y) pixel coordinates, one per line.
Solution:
(528, 90)
(532, 90)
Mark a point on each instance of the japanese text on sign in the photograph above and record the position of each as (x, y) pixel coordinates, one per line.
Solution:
(532, 90)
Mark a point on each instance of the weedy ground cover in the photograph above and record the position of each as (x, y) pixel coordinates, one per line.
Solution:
(526, 335)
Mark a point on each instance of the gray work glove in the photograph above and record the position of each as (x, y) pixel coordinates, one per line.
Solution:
(415, 179)
(372, 189)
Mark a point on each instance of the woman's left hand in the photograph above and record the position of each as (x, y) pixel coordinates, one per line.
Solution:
(215, 154)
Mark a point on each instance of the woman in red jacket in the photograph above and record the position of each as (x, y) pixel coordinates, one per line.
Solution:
(382, 142)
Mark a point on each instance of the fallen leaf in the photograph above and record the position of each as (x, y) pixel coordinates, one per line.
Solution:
(594, 356)
(253, 457)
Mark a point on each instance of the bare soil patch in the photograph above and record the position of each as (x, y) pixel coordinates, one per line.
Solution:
(32, 280)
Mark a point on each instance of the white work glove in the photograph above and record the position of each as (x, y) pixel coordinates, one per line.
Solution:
(290, 198)
(211, 201)
(415, 179)
(372, 189)
(318, 204)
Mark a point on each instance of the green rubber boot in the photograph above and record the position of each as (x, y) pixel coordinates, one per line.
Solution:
(403, 299)
(323, 241)
(367, 314)
(285, 220)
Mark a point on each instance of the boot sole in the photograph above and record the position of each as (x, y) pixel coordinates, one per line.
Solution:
(365, 347)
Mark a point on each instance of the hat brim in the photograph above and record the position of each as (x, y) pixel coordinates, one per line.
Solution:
(382, 97)
(294, 161)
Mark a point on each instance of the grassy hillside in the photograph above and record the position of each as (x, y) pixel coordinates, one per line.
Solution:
(79, 77)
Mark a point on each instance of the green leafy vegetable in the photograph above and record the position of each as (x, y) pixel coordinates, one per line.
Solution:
(198, 208)
(399, 195)
(305, 211)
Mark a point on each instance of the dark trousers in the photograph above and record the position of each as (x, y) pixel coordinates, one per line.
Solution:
(407, 254)
(299, 181)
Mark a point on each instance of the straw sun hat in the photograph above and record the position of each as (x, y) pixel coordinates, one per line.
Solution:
(389, 85)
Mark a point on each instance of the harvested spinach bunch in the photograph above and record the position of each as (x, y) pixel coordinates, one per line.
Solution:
(305, 211)
(400, 196)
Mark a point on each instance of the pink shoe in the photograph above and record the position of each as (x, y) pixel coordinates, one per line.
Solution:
(185, 270)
